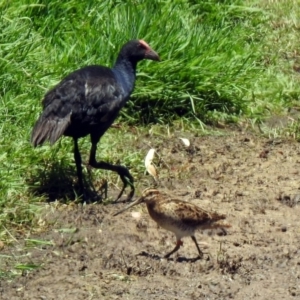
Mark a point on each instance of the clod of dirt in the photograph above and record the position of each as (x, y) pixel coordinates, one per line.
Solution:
(264, 153)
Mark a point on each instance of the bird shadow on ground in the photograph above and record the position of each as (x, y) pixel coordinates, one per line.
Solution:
(179, 259)
(58, 182)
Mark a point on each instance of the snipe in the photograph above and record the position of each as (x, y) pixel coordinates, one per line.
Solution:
(178, 216)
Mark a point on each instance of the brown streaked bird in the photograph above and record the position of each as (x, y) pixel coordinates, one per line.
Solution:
(178, 216)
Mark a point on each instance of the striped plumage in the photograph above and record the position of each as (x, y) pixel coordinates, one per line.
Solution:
(180, 217)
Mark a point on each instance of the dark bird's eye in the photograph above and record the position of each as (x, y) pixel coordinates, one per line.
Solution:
(142, 46)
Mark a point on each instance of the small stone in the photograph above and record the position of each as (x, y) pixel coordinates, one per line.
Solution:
(283, 228)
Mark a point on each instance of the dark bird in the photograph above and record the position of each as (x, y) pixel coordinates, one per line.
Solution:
(180, 217)
(88, 101)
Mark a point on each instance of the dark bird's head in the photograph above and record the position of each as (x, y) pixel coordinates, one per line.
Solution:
(148, 195)
(136, 50)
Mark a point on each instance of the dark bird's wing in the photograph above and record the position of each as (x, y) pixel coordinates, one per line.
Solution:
(57, 110)
(81, 100)
(104, 99)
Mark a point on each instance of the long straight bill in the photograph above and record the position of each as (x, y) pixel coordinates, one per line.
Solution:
(138, 201)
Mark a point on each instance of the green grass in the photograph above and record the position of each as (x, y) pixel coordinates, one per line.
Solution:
(221, 61)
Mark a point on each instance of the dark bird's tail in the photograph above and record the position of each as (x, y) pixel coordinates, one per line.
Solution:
(48, 129)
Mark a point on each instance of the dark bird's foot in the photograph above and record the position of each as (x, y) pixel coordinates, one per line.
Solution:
(127, 179)
(89, 194)
(123, 172)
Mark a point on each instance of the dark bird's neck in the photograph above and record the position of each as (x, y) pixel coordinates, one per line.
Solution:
(125, 71)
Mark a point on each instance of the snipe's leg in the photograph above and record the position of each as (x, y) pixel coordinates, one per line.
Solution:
(178, 244)
(195, 241)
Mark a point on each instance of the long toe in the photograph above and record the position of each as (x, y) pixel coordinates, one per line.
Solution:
(127, 179)
(131, 194)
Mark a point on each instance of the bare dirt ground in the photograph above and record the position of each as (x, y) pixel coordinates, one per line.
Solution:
(253, 180)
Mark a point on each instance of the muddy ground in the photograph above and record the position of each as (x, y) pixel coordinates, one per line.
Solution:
(254, 180)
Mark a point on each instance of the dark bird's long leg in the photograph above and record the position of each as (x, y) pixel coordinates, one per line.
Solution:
(77, 157)
(178, 244)
(195, 241)
(122, 171)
